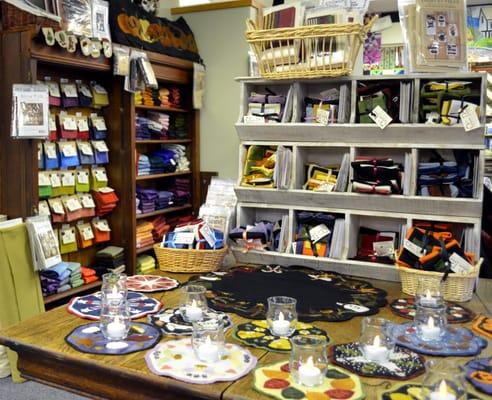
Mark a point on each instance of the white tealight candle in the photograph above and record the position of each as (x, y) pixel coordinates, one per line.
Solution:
(193, 312)
(280, 326)
(116, 329)
(208, 351)
(375, 352)
(309, 374)
(115, 295)
(443, 393)
(430, 331)
(428, 300)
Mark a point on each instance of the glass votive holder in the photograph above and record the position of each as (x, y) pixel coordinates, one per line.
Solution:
(443, 380)
(208, 340)
(376, 340)
(193, 303)
(113, 288)
(431, 322)
(115, 320)
(308, 360)
(282, 315)
(429, 292)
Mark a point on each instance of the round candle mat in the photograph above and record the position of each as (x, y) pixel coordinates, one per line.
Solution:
(402, 364)
(479, 374)
(89, 339)
(257, 334)
(274, 380)
(323, 296)
(457, 341)
(456, 313)
(89, 307)
(410, 392)
(171, 321)
(150, 283)
(483, 325)
(176, 359)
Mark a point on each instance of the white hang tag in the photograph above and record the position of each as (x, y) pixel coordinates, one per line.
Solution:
(380, 117)
(106, 189)
(103, 226)
(82, 124)
(85, 148)
(99, 123)
(88, 202)
(82, 177)
(68, 236)
(184, 238)
(356, 308)
(323, 116)
(84, 89)
(44, 208)
(69, 123)
(43, 179)
(50, 150)
(100, 146)
(319, 232)
(68, 178)
(53, 88)
(73, 204)
(459, 264)
(69, 89)
(253, 119)
(325, 187)
(413, 248)
(384, 249)
(69, 150)
(469, 118)
(55, 180)
(57, 207)
(86, 232)
(208, 234)
(99, 89)
(100, 175)
(52, 123)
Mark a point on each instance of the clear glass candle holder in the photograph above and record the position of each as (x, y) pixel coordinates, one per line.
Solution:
(431, 322)
(113, 288)
(429, 292)
(282, 315)
(193, 303)
(376, 340)
(115, 320)
(308, 360)
(208, 340)
(443, 380)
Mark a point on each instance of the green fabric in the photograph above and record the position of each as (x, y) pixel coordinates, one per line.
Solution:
(20, 288)
(75, 277)
(44, 192)
(76, 283)
(367, 105)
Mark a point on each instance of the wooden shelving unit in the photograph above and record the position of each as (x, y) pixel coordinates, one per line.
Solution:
(158, 176)
(164, 141)
(312, 142)
(73, 292)
(164, 211)
(162, 109)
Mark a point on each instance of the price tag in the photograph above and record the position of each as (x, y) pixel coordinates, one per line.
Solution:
(88, 202)
(85, 148)
(69, 123)
(99, 123)
(380, 117)
(43, 208)
(319, 232)
(68, 149)
(86, 232)
(103, 226)
(469, 118)
(69, 89)
(99, 89)
(68, 178)
(57, 207)
(52, 123)
(43, 179)
(106, 189)
(184, 238)
(83, 177)
(208, 234)
(413, 248)
(82, 124)
(53, 89)
(68, 236)
(384, 249)
(323, 116)
(253, 119)
(73, 204)
(100, 146)
(325, 187)
(100, 175)
(50, 150)
(84, 89)
(55, 180)
(459, 264)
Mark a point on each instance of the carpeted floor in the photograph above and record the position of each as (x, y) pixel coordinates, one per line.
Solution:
(32, 391)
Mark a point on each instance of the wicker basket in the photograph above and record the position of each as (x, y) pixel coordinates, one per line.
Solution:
(14, 19)
(311, 51)
(458, 287)
(185, 260)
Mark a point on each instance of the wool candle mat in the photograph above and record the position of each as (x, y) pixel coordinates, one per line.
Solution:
(89, 306)
(150, 283)
(410, 391)
(274, 380)
(176, 359)
(402, 364)
(257, 334)
(457, 341)
(326, 296)
(483, 325)
(171, 321)
(456, 313)
(479, 373)
(89, 339)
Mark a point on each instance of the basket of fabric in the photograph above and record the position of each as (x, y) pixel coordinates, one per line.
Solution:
(189, 260)
(311, 51)
(14, 18)
(457, 287)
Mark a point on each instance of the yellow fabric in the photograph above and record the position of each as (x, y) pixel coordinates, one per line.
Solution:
(20, 289)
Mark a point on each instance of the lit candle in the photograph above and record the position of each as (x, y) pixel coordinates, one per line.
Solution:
(280, 326)
(375, 352)
(309, 374)
(116, 329)
(430, 331)
(443, 393)
(115, 295)
(193, 312)
(428, 299)
(208, 351)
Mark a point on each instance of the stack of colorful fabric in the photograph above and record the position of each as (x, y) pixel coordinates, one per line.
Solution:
(75, 274)
(377, 175)
(148, 199)
(175, 97)
(180, 157)
(141, 128)
(143, 164)
(157, 164)
(164, 199)
(110, 258)
(178, 127)
(145, 264)
(149, 98)
(182, 191)
(88, 275)
(106, 200)
(138, 96)
(144, 234)
(161, 227)
(158, 119)
(55, 279)
(164, 97)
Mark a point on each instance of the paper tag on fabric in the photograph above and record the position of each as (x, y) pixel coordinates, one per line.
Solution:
(52, 123)
(459, 264)
(68, 236)
(55, 180)
(103, 226)
(69, 150)
(323, 116)
(85, 148)
(100, 175)
(68, 178)
(82, 124)
(106, 189)
(69, 123)
(413, 248)
(83, 177)
(184, 238)
(319, 232)
(69, 89)
(208, 234)
(57, 207)
(100, 146)
(53, 88)
(384, 249)
(469, 118)
(87, 233)
(380, 117)
(50, 150)
(253, 119)
(84, 89)
(73, 204)
(43, 179)
(99, 123)
(88, 202)
(43, 208)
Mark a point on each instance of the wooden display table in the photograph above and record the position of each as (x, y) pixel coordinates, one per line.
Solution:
(44, 356)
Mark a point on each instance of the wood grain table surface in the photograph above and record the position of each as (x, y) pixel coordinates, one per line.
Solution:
(44, 356)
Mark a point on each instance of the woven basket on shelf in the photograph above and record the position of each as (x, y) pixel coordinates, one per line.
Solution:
(189, 260)
(14, 18)
(311, 51)
(458, 287)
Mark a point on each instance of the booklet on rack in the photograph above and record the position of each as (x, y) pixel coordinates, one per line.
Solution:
(44, 244)
(30, 111)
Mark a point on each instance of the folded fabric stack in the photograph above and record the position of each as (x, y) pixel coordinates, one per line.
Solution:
(110, 258)
(213, 240)
(143, 164)
(55, 279)
(75, 274)
(377, 175)
(175, 97)
(259, 166)
(368, 249)
(312, 105)
(182, 191)
(385, 95)
(258, 236)
(88, 275)
(313, 233)
(178, 127)
(157, 165)
(179, 156)
(144, 234)
(142, 128)
(106, 200)
(164, 199)
(147, 199)
(158, 119)
(164, 97)
(321, 179)
(161, 227)
(270, 106)
(145, 264)
(138, 98)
